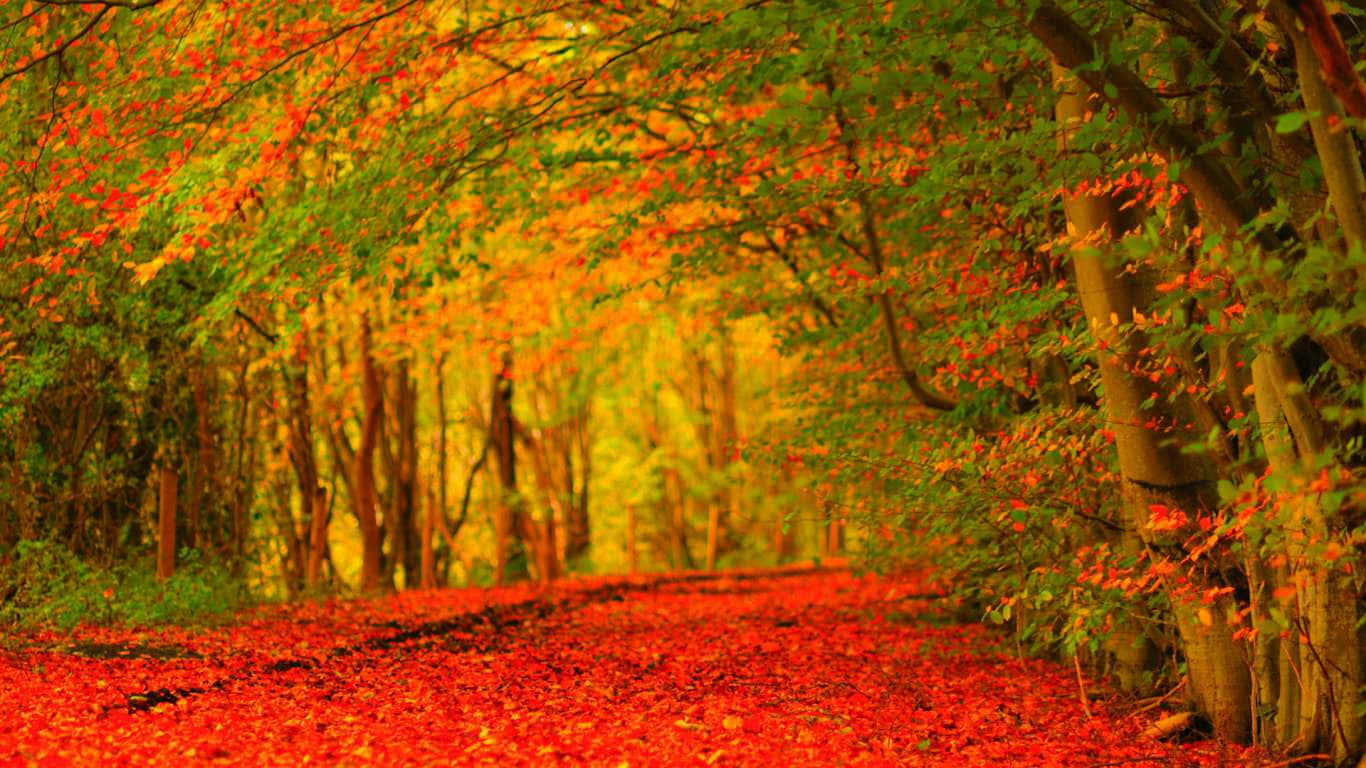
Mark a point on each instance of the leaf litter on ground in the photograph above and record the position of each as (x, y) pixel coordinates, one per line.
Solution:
(792, 667)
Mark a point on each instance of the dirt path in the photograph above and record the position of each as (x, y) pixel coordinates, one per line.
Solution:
(770, 669)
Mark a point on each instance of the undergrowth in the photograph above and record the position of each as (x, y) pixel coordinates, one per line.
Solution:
(44, 586)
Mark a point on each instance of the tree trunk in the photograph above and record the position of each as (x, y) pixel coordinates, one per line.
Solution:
(317, 537)
(242, 474)
(1203, 170)
(303, 458)
(442, 461)
(632, 562)
(782, 538)
(577, 531)
(166, 521)
(832, 543)
(428, 580)
(1335, 65)
(203, 470)
(727, 441)
(1321, 673)
(1155, 471)
(1336, 148)
(365, 501)
(403, 476)
(713, 534)
(674, 500)
(510, 559)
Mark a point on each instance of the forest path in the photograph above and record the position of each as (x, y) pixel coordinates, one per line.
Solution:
(795, 667)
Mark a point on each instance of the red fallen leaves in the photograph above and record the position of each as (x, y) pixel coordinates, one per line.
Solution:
(758, 669)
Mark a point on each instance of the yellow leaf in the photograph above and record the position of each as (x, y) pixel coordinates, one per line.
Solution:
(146, 271)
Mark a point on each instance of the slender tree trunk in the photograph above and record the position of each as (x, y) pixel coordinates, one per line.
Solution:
(242, 473)
(1225, 202)
(317, 537)
(428, 580)
(1335, 65)
(303, 458)
(548, 551)
(295, 562)
(577, 532)
(632, 561)
(834, 534)
(1336, 147)
(509, 545)
(675, 500)
(728, 447)
(1320, 676)
(442, 463)
(706, 439)
(363, 482)
(203, 469)
(713, 534)
(782, 540)
(403, 476)
(166, 521)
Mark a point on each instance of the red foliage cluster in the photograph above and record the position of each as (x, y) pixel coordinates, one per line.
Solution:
(776, 668)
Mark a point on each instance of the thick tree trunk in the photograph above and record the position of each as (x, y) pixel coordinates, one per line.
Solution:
(363, 482)
(1155, 472)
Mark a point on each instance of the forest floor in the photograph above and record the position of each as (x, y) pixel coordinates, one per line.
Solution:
(790, 668)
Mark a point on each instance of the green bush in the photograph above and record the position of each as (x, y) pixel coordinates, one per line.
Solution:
(42, 585)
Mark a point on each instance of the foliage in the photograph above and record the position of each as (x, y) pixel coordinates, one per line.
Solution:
(1064, 298)
(47, 587)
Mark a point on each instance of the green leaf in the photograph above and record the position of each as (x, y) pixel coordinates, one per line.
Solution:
(1291, 122)
(1227, 491)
